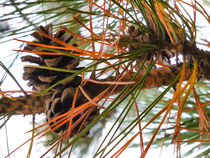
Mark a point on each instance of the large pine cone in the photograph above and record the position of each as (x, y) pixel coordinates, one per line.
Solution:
(60, 97)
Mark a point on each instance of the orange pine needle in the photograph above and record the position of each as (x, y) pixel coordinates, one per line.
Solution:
(90, 21)
(15, 91)
(50, 148)
(92, 33)
(39, 53)
(193, 130)
(71, 116)
(111, 82)
(160, 64)
(203, 116)
(140, 131)
(108, 12)
(202, 104)
(149, 15)
(42, 45)
(73, 48)
(70, 48)
(87, 96)
(163, 21)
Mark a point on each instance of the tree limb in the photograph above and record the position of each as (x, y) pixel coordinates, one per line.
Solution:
(30, 104)
(33, 104)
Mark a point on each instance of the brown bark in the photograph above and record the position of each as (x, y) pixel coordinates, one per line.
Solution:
(30, 104)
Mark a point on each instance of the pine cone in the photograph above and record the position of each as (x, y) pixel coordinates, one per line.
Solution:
(60, 98)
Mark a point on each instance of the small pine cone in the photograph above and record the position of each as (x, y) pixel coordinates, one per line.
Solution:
(143, 38)
(134, 39)
(136, 33)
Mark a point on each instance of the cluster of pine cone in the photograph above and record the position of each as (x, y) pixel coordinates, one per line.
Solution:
(59, 98)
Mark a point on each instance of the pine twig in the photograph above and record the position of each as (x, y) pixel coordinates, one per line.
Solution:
(31, 104)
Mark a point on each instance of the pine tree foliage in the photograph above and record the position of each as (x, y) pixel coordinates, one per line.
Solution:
(114, 50)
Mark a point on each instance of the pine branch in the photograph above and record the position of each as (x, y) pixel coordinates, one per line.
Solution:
(30, 104)
(33, 104)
